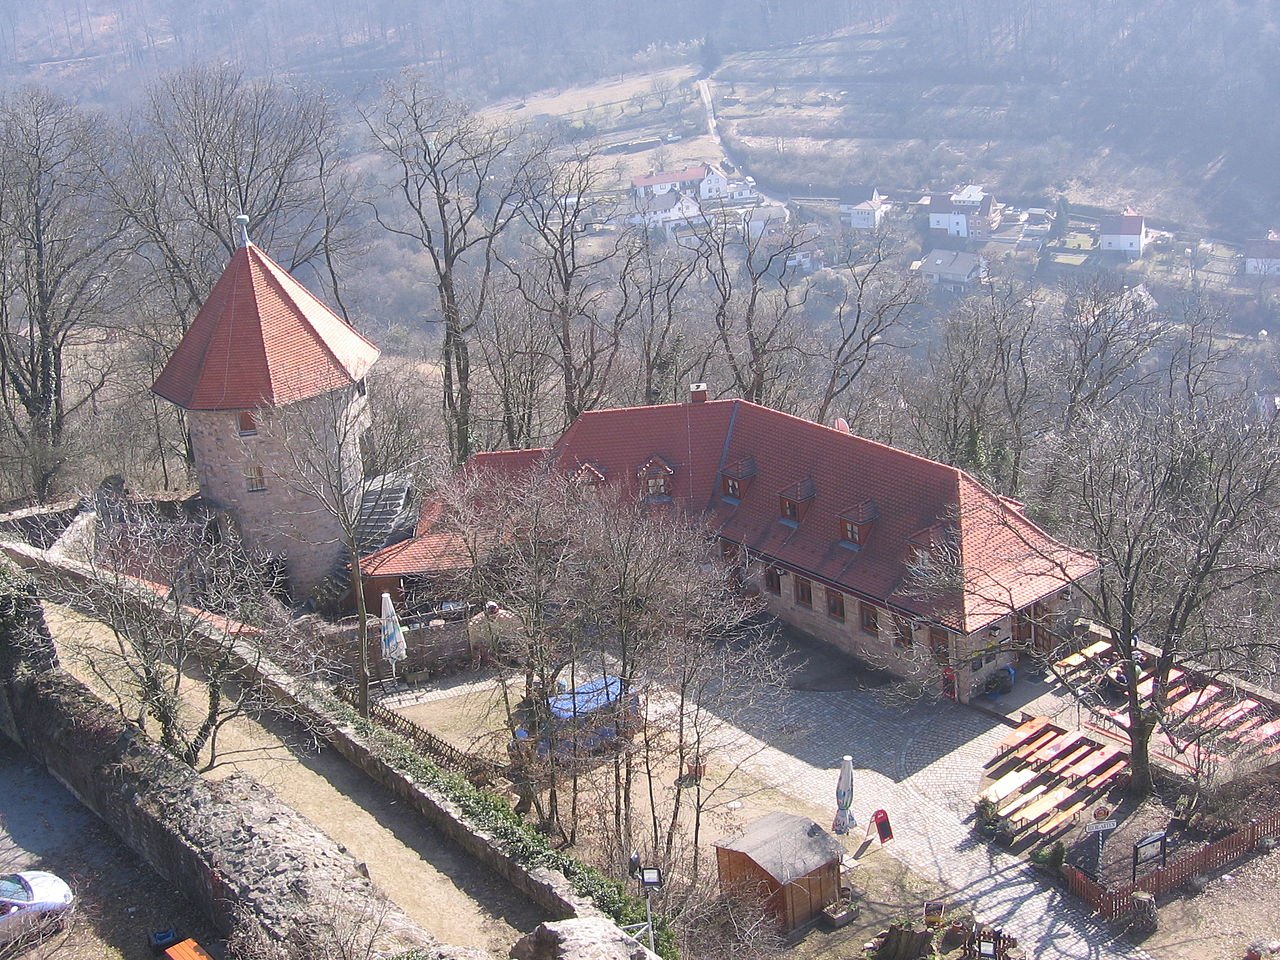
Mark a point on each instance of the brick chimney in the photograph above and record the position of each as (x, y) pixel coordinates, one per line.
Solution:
(697, 393)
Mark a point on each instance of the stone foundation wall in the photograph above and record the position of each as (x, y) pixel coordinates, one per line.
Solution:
(548, 889)
(227, 845)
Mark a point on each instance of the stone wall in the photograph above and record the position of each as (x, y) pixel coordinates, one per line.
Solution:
(227, 845)
(548, 889)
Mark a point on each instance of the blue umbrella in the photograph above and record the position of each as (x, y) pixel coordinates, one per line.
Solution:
(844, 798)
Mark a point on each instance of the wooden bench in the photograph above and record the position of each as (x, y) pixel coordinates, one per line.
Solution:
(1064, 817)
(1019, 736)
(1055, 749)
(1194, 700)
(1009, 783)
(1072, 756)
(1147, 685)
(1264, 732)
(1101, 780)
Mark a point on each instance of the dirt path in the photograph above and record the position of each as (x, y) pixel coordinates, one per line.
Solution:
(433, 882)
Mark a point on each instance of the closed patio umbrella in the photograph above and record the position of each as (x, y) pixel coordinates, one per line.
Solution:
(393, 648)
(844, 798)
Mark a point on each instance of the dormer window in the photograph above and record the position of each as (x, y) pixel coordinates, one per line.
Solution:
(589, 474)
(655, 478)
(736, 477)
(794, 501)
(247, 424)
(855, 524)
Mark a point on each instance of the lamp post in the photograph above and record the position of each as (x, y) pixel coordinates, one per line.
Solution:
(650, 879)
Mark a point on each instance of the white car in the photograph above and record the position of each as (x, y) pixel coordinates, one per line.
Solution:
(31, 902)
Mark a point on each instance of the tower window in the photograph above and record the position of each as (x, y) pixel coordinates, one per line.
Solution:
(247, 423)
(255, 478)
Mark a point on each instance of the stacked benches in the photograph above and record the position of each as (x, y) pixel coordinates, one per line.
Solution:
(1044, 776)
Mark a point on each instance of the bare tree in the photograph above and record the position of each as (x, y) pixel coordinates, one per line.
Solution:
(179, 619)
(576, 282)
(456, 189)
(662, 337)
(871, 298)
(1178, 505)
(59, 244)
(757, 294)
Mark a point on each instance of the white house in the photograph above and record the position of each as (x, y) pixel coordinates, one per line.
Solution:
(714, 186)
(666, 208)
(1262, 257)
(970, 213)
(655, 184)
(953, 270)
(768, 216)
(863, 208)
(1126, 232)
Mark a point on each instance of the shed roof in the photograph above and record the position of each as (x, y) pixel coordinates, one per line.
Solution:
(785, 846)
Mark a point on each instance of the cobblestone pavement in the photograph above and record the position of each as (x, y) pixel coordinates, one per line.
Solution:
(922, 764)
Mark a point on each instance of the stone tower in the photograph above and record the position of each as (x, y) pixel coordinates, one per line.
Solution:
(273, 385)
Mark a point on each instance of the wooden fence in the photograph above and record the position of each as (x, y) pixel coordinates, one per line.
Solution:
(443, 754)
(1110, 904)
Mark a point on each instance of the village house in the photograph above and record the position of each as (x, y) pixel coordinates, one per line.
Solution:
(970, 214)
(262, 343)
(832, 530)
(953, 270)
(1262, 257)
(863, 208)
(1125, 232)
(666, 210)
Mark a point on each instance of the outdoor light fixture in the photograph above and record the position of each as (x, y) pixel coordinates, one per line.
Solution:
(650, 879)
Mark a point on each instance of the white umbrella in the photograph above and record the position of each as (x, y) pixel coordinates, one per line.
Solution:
(844, 798)
(393, 648)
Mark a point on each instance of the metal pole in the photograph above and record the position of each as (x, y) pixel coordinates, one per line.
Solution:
(648, 915)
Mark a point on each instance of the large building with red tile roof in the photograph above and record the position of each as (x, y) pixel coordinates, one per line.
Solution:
(837, 530)
(263, 343)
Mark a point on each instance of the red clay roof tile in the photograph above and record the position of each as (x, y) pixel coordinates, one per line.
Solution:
(261, 339)
(1008, 561)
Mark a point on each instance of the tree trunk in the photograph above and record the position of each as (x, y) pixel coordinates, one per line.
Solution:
(362, 634)
(1140, 756)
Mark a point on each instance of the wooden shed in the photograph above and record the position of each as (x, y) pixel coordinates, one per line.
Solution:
(788, 860)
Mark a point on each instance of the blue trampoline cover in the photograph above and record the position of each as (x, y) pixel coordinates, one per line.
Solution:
(589, 697)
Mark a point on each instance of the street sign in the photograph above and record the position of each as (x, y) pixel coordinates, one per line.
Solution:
(1101, 825)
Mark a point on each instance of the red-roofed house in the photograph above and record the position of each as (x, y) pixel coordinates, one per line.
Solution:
(834, 526)
(260, 342)
(1126, 232)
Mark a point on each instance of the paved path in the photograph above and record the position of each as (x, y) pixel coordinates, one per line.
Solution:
(921, 763)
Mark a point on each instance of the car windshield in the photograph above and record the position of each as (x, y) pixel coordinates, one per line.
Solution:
(13, 887)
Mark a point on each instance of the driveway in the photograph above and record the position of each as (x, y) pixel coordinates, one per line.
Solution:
(921, 763)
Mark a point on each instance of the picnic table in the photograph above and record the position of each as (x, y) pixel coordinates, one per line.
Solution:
(1055, 748)
(1264, 732)
(1091, 764)
(1072, 756)
(1147, 686)
(1194, 699)
(1096, 649)
(1024, 732)
(1038, 808)
(1065, 816)
(1104, 779)
(1037, 743)
(1009, 783)
(1019, 800)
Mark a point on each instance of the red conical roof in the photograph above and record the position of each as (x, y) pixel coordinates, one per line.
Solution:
(261, 339)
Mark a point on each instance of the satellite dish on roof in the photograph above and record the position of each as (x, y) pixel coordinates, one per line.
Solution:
(842, 425)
